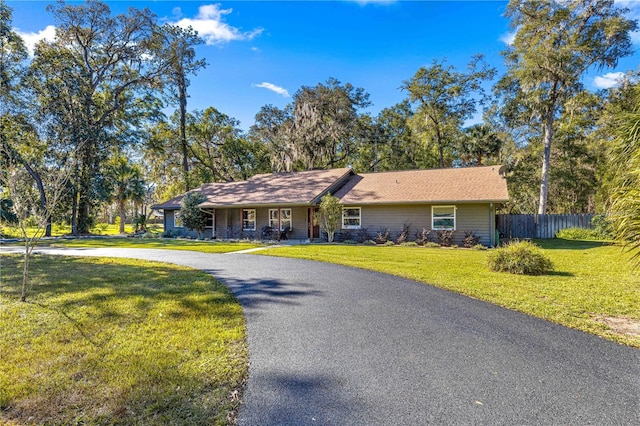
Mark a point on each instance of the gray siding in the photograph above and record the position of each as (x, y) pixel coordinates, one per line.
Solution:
(469, 217)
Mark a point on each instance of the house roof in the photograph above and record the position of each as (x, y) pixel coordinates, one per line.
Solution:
(472, 184)
(295, 188)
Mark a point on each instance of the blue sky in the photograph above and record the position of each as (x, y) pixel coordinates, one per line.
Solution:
(262, 52)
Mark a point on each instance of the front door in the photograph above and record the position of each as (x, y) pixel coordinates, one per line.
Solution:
(314, 226)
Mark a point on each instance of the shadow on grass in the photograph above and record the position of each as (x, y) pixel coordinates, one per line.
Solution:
(559, 243)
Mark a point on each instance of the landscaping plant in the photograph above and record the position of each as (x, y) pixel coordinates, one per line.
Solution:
(519, 257)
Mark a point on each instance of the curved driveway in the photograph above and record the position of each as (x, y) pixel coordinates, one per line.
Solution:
(332, 345)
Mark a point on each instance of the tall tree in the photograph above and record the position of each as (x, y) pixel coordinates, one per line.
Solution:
(555, 43)
(444, 99)
(93, 75)
(179, 50)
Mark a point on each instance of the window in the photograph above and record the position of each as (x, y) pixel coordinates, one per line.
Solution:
(210, 218)
(177, 220)
(351, 218)
(443, 218)
(285, 219)
(249, 220)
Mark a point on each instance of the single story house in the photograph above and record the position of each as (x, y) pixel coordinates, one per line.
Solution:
(457, 199)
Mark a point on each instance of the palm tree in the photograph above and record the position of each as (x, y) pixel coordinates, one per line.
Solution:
(625, 206)
(125, 179)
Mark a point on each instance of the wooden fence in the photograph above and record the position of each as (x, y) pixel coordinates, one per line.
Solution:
(540, 226)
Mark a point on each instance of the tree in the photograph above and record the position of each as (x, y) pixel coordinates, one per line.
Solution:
(329, 215)
(32, 215)
(92, 78)
(555, 44)
(126, 182)
(444, 99)
(479, 144)
(180, 52)
(625, 163)
(318, 130)
(192, 216)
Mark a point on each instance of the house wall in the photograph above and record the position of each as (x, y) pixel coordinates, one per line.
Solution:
(478, 218)
(229, 223)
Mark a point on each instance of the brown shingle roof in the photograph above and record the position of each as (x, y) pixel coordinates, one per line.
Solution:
(472, 184)
(301, 188)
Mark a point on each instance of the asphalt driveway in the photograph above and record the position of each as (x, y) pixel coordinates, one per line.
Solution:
(332, 345)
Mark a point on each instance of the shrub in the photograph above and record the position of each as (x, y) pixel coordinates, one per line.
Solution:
(445, 238)
(578, 234)
(470, 239)
(383, 235)
(478, 247)
(603, 226)
(404, 234)
(389, 243)
(369, 243)
(409, 244)
(519, 257)
(432, 244)
(424, 236)
(362, 235)
(349, 242)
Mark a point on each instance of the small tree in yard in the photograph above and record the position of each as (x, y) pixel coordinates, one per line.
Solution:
(193, 217)
(329, 215)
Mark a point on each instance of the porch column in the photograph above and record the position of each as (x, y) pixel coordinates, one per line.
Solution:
(310, 219)
(279, 225)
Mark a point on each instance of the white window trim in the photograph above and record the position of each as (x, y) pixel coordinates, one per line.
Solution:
(255, 217)
(175, 219)
(352, 217)
(282, 221)
(455, 218)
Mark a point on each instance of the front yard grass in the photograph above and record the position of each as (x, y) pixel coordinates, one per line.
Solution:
(151, 243)
(592, 287)
(116, 341)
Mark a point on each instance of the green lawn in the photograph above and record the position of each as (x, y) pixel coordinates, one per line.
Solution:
(59, 230)
(114, 341)
(153, 243)
(592, 284)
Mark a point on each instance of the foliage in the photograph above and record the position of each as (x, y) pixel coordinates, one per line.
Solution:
(119, 341)
(125, 182)
(383, 235)
(409, 244)
(431, 244)
(317, 130)
(602, 226)
(625, 205)
(404, 234)
(478, 247)
(545, 65)
(470, 239)
(193, 217)
(369, 243)
(445, 237)
(445, 98)
(423, 236)
(519, 257)
(6, 212)
(578, 234)
(329, 215)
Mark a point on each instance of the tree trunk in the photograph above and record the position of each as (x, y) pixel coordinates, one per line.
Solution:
(121, 208)
(547, 128)
(182, 94)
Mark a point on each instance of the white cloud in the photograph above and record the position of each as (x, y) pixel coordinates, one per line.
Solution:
(211, 27)
(277, 89)
(608, 80)
(31, 39)
(508, 38)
